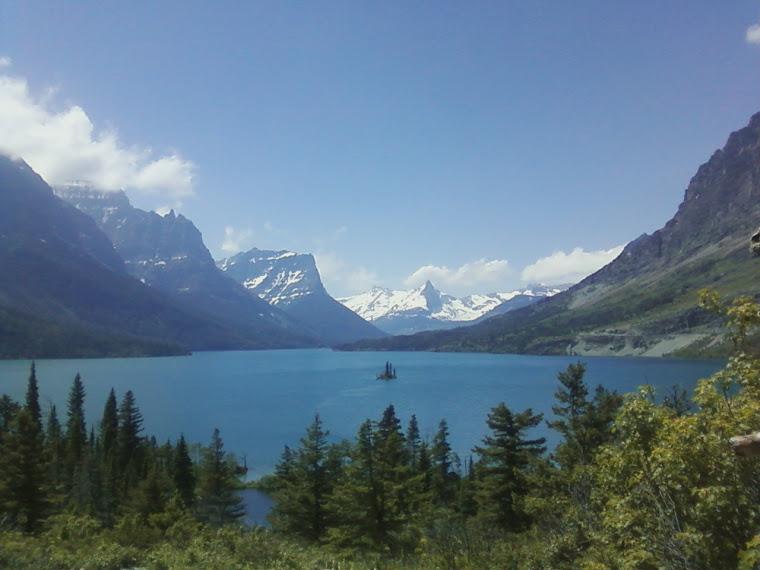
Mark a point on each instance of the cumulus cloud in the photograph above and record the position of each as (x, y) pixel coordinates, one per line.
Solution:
(5, 61)
(561, 267)
(340, 279)
(235, 240)
(481, 275)
(753, 34)
(63, 146)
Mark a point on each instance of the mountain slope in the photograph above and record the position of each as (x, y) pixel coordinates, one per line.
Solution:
(64, 291)
(291, 282)
(426, 308)
(168, 253)
(644, 302)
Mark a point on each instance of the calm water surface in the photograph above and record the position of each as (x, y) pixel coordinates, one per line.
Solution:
(263, 400)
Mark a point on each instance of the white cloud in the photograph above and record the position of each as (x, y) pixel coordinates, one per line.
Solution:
(236, 241)
(340, 279)
(5, 61)
(475, 276)
(561, 267)
(753, 34)
(64, 146)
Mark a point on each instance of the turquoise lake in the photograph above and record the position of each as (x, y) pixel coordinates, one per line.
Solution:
(263, 400)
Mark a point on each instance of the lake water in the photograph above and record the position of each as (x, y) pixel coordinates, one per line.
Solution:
(263, 400)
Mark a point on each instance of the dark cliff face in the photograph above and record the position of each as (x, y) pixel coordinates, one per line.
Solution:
(720, 209)
(163, 251)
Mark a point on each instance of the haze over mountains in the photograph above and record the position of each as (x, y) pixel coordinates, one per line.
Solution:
(645, 301)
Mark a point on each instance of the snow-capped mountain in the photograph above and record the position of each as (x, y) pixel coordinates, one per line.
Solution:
(278, 277)
(426, 308)
(291, 282)
(168, 254)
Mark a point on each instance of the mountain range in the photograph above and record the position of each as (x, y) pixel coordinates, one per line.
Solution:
(98, 277)
(64, 290)
(93, 276)
(426, 308)
(645, 302)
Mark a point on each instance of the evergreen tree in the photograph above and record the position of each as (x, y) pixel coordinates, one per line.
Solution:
(24, 495)
(413, 443)
(443, 478)
(506, 459)
(583, 423)
(129, 452)
(76, 432)
(54, 447)
(303, 494)
(217, 502)
(184, 476)
(378, 500)
(109, 425)
(33, 396)
(8, 410)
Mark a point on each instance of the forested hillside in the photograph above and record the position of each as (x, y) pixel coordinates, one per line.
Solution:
(642, 480)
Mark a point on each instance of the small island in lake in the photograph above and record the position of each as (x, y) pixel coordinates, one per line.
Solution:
(388, 374)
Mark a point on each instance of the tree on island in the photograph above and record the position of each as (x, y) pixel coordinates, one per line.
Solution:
(388, 374)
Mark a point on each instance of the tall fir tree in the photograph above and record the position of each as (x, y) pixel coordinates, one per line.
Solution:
(218, 503)
(24, 493)
(129, 443)
(8, 410)
(183, 473)
(303, 493)
(377, 501)
(506, 460)
(443, 477)
(32, 403)
(76, 431)
(54, 447)
(583, 422)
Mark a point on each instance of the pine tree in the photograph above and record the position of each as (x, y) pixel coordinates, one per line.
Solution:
(129, 450)
(8, 410)
(506, 458)
(33, 396)
(76, 431)
(413, 443)
(217, 502)
(54, 447)
(24, 494)
(377, 502)
(109, 425)
(184, 476)
(443, 478)
(583, 423)
(303, 493)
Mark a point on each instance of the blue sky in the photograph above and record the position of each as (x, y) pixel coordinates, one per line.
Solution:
(483, 145)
